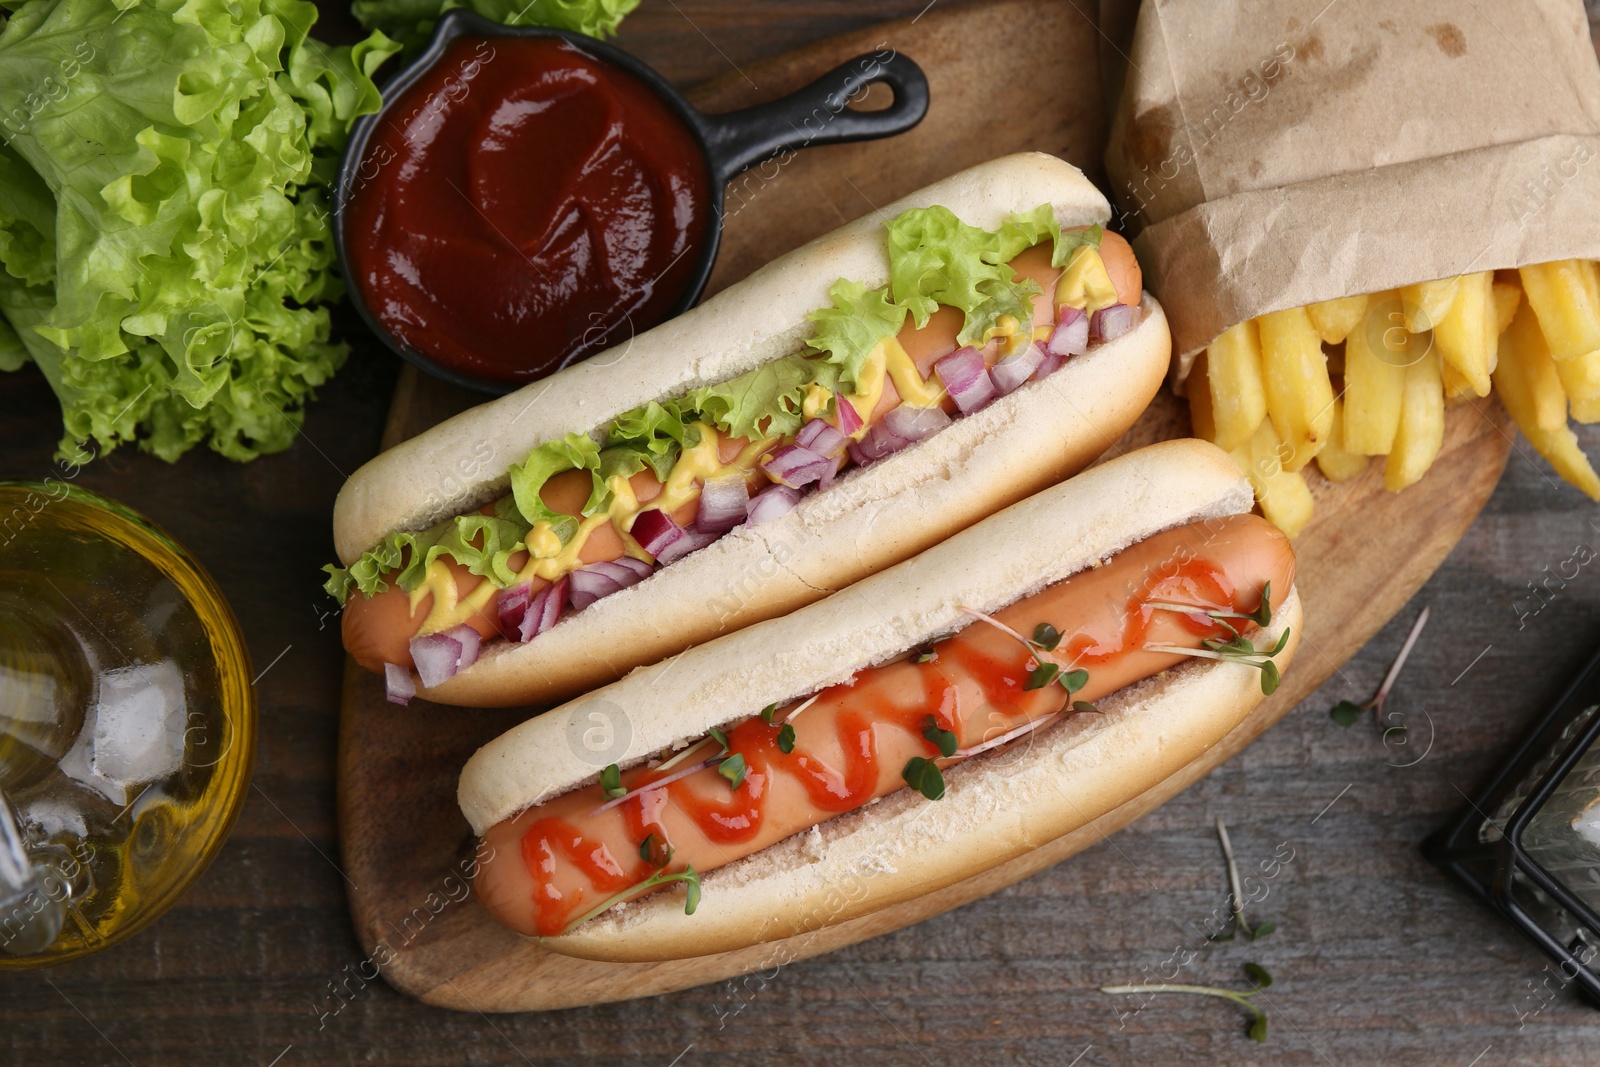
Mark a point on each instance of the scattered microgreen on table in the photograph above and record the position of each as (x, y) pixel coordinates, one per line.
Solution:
(1257, 974)
(1346, 712)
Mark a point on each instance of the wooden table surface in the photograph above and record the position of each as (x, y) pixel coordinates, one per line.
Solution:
(1377, 958)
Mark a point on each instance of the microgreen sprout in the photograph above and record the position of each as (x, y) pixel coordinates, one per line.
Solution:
(786, 739)
(1262, 616)
(795, 714)
(654, 851)
(1346, 712)
(720, 738)
(733, 769)
(924, 776)
(1046, 637)
(943, 740)
(690, 880)
(611, 781)
(1041, 676)
(1236, 896)
(1257, 974)
(1237, 649)
(767, 713)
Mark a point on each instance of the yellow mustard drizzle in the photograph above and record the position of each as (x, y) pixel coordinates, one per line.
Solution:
(1085, 284)
(889, 359)
(816, 402)
(549, 559)
(448, 608)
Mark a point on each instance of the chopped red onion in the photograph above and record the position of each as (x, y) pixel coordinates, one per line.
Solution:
(1016, 368)
(398, 684)
(511, 605)
(1071, 335)
(966, 379)
(469, 640)
(1110, 323)
(831, 473)
(903, 425)
(637, 566)
(795, 466)
(655, 531)
(589, 585)
(1048, 365)
(771, 502)
(436, 656)
(692, 540)
(820, 438)
(914, 424)
(620, 572)
(849, 418)
(722, 503)
(544, 610)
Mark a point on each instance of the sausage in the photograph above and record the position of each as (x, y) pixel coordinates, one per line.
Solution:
(554, 862)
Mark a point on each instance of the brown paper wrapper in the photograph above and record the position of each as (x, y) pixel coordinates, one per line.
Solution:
(1273, 153)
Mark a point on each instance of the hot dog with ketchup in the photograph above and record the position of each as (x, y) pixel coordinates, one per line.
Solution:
(1090, 640)
(846, 406)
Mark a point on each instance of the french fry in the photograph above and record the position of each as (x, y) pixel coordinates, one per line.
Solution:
(1334, 319)
(1375, 355)
(1455, 386)
(1202, 419)
(1421, 431)
(1565, 295)
(1545, 401)
(1238, 397)
(1586, 410)
(1337, 464)
(1507, 298)
(1284, 497)
(1581, 379)
(1299, 394)
(1560, 446)
(1425, 304)
(1466, 336)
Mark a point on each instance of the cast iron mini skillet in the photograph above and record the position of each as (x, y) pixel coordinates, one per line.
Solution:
(730, 143)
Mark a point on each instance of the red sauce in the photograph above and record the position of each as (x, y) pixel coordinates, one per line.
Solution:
(1109, 624)
(522, 204)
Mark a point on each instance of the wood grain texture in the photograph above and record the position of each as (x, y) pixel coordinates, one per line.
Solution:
(1377, 959)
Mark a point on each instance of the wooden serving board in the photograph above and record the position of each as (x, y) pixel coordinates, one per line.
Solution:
(405, 844)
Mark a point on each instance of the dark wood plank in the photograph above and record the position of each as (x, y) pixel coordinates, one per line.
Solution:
(1377, 959)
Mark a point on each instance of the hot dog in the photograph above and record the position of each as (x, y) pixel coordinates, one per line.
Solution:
(1092, 639)
(845, 407)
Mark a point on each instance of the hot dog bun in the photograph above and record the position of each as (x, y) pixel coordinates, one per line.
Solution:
(902, 846)
(872, 518)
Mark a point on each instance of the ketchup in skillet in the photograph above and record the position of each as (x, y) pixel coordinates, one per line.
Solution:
(522, 202)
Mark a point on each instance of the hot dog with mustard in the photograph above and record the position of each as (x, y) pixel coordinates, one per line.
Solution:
(850, 404)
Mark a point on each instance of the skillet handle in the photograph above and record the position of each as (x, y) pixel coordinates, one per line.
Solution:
(817, 114)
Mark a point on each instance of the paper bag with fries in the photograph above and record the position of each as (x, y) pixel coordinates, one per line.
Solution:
(1357, 211)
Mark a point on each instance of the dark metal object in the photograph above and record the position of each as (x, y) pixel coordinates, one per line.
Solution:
(731, 143)
(1482, 847)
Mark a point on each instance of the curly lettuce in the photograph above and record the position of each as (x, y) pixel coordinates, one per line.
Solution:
(411, 21)
(164, 228)
(852, 324)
